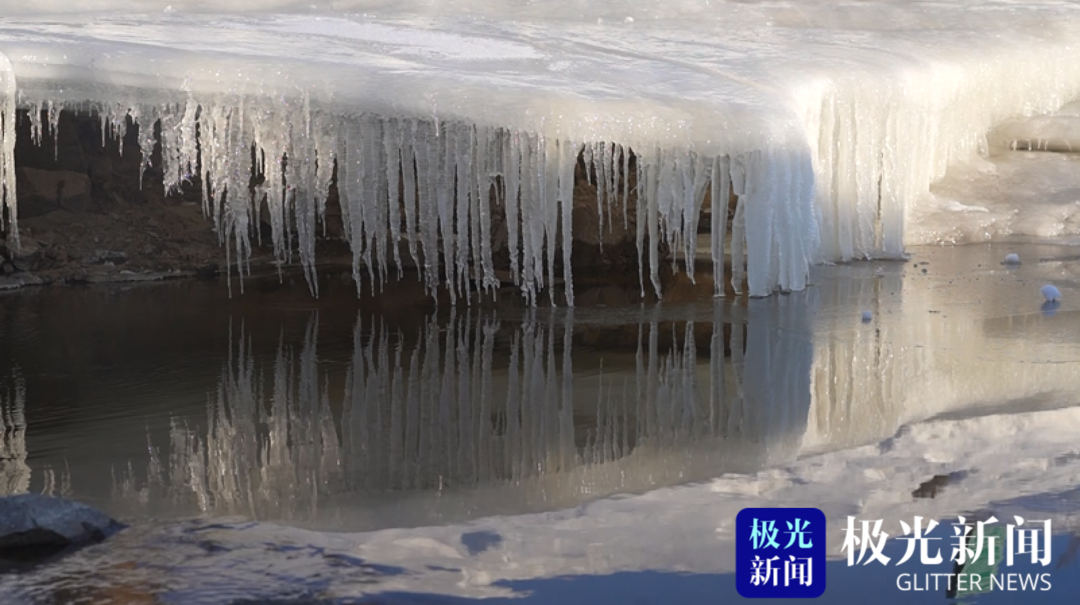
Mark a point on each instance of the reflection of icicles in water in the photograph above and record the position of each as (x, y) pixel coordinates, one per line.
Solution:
(265, 454)
(469, 418)
(14, 472)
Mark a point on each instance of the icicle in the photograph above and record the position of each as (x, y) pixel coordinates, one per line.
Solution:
(720, 194)
(594, 161)
(427, 158)
(8, 198)
(489, 138)
(301, 178)
(511, 199)
(463, 171)
(475, 193)
(625, 152)
(33, 112)
(271, 142)
(349, 198)
(532, 225)
(375, 190)
(326, 147)
(549, 192)
(392, 144)
(54, 127)
(171, 154)
(694, 200)
(188, 144)
(568, 156)
(642, 211)
(652, 195)
(145, 117)
(407, 136)
(608, 184)
(738, 225)
(445, 145)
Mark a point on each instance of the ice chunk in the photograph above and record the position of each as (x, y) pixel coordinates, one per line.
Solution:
(1050, 293)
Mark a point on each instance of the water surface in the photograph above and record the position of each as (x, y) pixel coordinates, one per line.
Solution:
(489, 452)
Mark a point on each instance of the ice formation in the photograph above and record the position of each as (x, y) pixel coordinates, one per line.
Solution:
(1050, 293)
(828, 121)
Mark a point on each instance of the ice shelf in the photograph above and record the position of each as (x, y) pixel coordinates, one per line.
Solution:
(828, 120)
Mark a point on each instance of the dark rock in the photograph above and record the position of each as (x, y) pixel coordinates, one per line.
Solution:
(44, 191)
(101, 174)
(211, 270)
(19, 280)
(930, 489)
(35, 525)
(107, 257)
(27, 255)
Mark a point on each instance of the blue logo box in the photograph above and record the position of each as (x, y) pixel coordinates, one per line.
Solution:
(780, 553)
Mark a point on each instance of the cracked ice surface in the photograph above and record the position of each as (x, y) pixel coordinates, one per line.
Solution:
(830, 120)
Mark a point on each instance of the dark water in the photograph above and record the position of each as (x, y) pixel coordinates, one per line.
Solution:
(496, 432)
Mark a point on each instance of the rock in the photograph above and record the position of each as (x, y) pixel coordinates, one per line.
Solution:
(27, 255)
(43, 191)
(108, 257)
(19, 280)
(101, 174)
(930, 489)
(36, 524)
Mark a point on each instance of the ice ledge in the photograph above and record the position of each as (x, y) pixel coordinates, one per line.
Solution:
(829, 133)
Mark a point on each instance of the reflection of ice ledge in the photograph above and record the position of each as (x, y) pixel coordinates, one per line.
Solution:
(690, 528)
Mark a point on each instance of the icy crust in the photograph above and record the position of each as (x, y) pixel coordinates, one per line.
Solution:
(829, 121)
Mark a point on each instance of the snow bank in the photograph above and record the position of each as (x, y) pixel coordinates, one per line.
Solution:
(829, 120)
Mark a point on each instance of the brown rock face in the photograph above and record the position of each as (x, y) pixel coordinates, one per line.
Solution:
(611, 244)
(43, 191)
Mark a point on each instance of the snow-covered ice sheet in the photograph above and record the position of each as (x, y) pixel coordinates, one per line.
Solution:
(829, 119)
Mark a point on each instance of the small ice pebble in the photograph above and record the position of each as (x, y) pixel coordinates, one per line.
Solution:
(1012, 259)
(867, 316)
(1050, 293)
